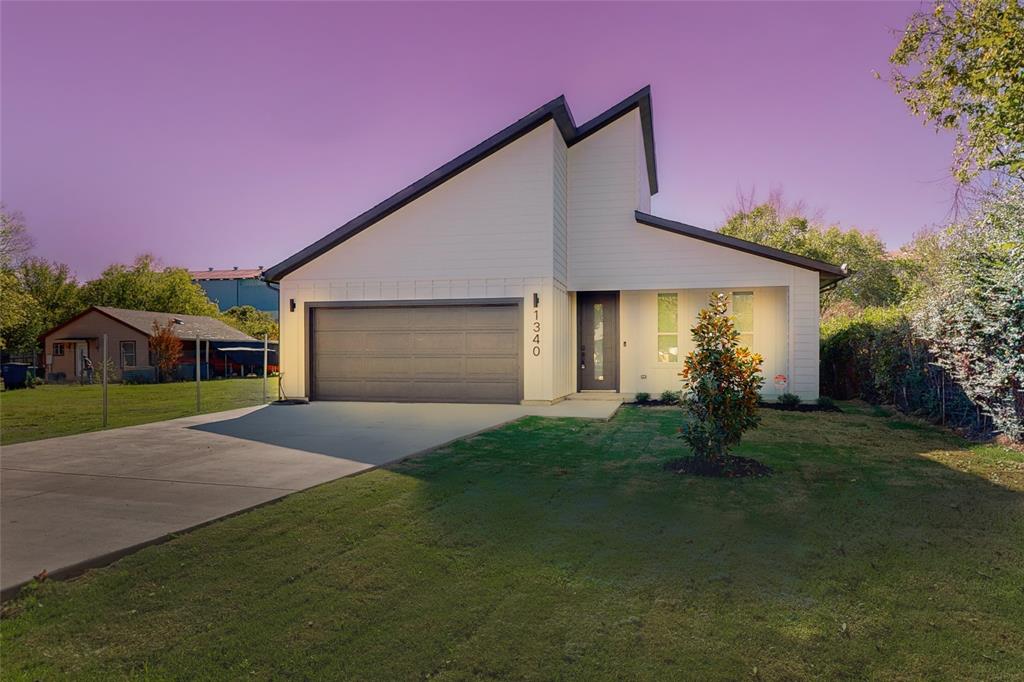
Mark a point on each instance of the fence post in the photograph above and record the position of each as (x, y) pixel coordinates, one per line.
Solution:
(264, 369)
(104, 381)
(198, 403)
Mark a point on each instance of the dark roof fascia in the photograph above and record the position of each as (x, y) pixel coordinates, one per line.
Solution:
(828, 273)
(556, 110)
(92, 308)
(639, 100)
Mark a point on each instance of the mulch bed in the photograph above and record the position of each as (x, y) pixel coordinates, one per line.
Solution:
(730, 466)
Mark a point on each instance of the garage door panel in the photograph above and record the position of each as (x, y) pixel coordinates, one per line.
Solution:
(494, 317)
(492, 368)
(388, 341)
(491, 342)
(438, 367)
(440, 342)
(446, 353)
(330, 342)
(363, 368)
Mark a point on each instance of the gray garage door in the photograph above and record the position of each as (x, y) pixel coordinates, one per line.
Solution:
(431, 353)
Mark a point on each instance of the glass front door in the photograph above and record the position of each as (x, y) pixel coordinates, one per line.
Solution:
(598, 332)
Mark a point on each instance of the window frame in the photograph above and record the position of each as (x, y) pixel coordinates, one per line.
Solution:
(58, 350)
(749, 334)
(667, 334)
(135, 354)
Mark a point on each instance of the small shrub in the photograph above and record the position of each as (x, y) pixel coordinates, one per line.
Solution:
(642, 397)
(789, 400)
(671, 397)
(826, 402)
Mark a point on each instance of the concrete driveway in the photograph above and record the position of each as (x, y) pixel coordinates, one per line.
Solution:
(71, 503)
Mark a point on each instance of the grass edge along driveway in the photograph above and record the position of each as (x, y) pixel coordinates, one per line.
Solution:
(881, 548)
(63, 410)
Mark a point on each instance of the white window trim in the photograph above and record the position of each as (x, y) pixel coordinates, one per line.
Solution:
(732, 311)
(659, 333)
(135, 354)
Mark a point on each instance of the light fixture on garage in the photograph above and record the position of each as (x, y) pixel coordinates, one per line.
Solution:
(291, 304)
(536, 300)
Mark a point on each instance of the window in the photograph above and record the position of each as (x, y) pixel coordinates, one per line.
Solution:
(743, 316)
(668, 327)
(58, 349)
(598, 342)
(127, 354)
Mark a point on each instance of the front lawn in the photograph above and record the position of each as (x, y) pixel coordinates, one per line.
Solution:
(880, 548)
(62, 410)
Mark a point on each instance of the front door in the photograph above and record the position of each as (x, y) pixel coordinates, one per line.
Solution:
(597, 320)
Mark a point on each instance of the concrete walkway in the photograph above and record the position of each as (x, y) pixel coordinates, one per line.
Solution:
(71, 503)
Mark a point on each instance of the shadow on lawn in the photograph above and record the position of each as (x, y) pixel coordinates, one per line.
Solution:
(856, 527)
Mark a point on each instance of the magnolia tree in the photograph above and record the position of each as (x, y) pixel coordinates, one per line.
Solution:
(721, 381)
(973, 318)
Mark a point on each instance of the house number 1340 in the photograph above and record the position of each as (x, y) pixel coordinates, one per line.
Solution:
(536, 333)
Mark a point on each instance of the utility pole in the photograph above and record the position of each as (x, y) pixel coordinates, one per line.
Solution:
(104, 381)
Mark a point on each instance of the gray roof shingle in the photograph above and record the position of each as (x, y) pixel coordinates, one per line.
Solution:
(207, 328)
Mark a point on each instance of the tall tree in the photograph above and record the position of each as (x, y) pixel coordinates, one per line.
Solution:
(16, 304)
(15, 241)
(54, 294)
(973, 318)
(253, 322)
(145, 285)
(961, 67)
(873, 281)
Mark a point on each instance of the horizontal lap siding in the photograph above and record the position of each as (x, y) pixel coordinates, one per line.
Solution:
(639, 314)
(608, 250)
(485, 233)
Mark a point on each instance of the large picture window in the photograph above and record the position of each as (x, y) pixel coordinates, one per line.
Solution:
(127, 354)
(743, 316)
(668, 327)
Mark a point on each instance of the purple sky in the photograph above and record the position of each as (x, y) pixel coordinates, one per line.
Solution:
(220, 134)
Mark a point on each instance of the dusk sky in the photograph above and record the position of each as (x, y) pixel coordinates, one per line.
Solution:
(220, 134)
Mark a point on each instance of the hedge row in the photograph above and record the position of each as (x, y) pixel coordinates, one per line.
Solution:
(873, 355)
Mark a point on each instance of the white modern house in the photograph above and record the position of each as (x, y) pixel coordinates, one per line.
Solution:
(529, 269)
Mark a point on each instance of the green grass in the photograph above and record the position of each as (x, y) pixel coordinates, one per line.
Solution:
(560, 549)
(63, 410)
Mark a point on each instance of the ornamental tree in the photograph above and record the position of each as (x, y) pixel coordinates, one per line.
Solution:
(721, 381)
(166, 348)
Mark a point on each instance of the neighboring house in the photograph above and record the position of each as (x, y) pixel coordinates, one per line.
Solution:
(230, 288)
(529, 269)
(128, 332)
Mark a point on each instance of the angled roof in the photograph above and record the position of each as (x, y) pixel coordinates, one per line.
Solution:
(556, 110)
(828, 273)
(234, 273)
(208, 328)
